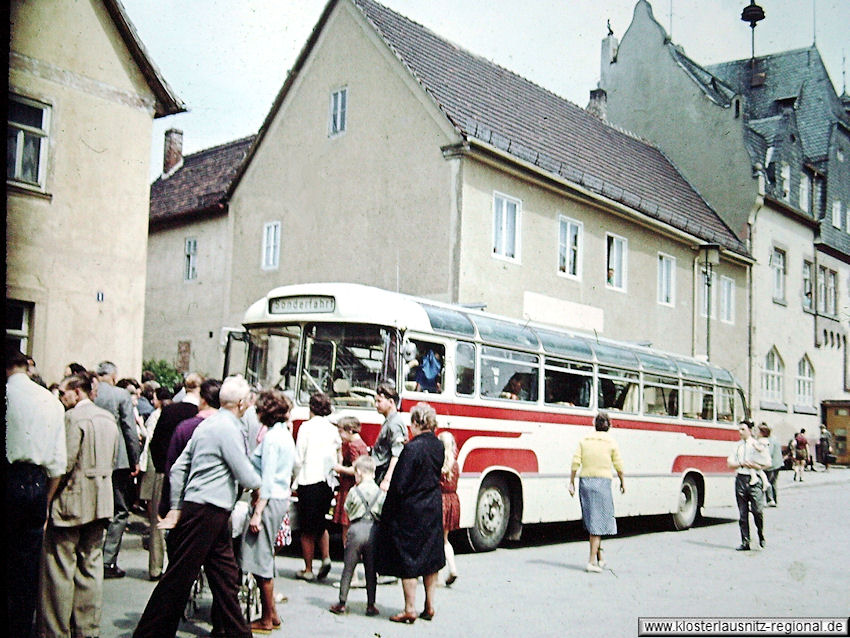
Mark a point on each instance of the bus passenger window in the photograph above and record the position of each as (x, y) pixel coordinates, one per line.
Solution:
(725, 404)
(506, 374)
(660, 395)
(697, 402)
(465, 369)
(568, 384)
(423, 366)
(618, 390)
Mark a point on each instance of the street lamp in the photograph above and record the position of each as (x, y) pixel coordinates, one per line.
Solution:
(710, 257)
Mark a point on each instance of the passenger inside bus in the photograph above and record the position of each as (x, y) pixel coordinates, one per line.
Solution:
(423, 366)
(515, 388)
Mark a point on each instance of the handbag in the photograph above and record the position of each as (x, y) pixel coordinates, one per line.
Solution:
(284, 533)
(830, 458)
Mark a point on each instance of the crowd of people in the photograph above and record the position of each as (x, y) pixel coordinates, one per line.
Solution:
(97, 446)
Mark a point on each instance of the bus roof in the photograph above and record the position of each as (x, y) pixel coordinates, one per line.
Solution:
(366, 304)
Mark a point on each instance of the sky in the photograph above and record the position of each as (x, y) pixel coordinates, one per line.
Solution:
(227, 59)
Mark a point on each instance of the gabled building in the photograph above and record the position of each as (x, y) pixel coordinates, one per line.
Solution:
(767, 143)
(394, 158)
(83, 94)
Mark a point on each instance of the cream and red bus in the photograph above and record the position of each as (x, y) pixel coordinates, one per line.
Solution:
(518, 396)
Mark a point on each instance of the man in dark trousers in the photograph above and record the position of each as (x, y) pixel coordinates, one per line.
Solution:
(205, 483)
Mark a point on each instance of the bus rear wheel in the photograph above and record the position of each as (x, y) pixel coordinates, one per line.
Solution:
(492, 514)
(685, 516)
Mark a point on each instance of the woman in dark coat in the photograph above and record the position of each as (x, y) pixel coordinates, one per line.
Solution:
(410, 538)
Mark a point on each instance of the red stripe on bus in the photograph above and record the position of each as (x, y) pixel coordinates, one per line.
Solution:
(529, 416)
(523, 461)
(707, 464)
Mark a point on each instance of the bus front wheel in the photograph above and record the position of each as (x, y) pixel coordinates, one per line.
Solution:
(685, 516)
(492, 514)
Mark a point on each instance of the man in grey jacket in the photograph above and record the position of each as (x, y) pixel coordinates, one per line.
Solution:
(205, 484)
(117, 401)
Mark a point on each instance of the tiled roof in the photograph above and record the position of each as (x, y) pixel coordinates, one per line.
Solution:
(711, 85)
(200, 184)
(489, 103)
(799, 76)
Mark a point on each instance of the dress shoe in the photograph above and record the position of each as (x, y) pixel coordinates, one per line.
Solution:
(451, 579)
(590, 567)
(762, 543)
(371, 610)
(113, 571)
(324, 570)
(338, 609)
(427, 614)
(404, 617)
(743, 547)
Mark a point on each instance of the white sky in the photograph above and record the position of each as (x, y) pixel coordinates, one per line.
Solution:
(227, 59)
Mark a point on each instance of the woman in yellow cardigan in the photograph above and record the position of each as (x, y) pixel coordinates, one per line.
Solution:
(596, 454)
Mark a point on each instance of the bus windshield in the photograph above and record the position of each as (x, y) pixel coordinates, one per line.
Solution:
(347, 362)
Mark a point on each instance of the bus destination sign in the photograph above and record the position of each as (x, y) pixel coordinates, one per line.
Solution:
(302, 304)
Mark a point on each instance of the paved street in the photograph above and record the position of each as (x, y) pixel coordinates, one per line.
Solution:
(539, 588)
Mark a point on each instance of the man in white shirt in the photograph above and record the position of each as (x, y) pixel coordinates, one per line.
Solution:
(36, 453)
(748, 493)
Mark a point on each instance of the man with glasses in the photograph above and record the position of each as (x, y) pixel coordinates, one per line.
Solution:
(749, 493)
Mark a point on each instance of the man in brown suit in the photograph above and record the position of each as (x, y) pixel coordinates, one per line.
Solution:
(71, 593)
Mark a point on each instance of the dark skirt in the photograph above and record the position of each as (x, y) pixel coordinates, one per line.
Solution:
(314, 502)
(597, 506)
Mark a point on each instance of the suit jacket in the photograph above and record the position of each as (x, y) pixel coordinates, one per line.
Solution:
(117, 401)
(85, 492)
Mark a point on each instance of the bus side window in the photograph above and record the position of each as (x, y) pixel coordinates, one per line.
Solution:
(465, 369)
(424, 371)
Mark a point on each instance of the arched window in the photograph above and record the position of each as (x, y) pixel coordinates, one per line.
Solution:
(805, 382)
(772, 377)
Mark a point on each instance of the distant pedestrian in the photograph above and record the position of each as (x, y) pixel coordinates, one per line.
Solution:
(118, 402)
(749, 495)
(596, 454)
(776, 464)
(37, 457)
(71, 596)
(205, 486)
(800, 447)
(449, 474)
(825, 446)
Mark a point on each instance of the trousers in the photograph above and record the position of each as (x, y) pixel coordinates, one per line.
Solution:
(201, 538)
(360, 543)
(121, 482)
(750, 498)
(26, 513)
(71, 593)
(156, 548)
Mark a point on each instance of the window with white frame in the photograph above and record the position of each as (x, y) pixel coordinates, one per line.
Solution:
(837, 221)
(821, 289)
(785, 175)
(727, 299)
(777, 267)
(26, 141)
(771, 377)
(708, 305)
(569, 247)
(18, 317)
(271, 245)
(338, 108)
(805, 192)
(666, 279)
(807, 285)
(805, 390)
(617, 262)
(831, 292)
(506, 226)
(818, 200)
(190, 261)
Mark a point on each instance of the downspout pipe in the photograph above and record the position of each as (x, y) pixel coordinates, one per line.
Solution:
(751, 292)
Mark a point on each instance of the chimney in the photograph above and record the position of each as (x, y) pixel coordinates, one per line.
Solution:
(598, 104)
(172, 157)
(607, 57)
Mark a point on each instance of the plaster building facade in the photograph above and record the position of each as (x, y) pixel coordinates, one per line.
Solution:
(83, 94)
(767, 143)
(394, 158)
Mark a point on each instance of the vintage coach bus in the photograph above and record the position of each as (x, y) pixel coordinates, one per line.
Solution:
(517, 396)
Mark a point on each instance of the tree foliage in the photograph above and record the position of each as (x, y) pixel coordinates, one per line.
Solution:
(166, 374)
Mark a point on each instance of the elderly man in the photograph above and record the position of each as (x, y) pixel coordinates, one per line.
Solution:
(205, 484)
(72, 561)
(35, 451)
(118, 402)
(747, 459)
